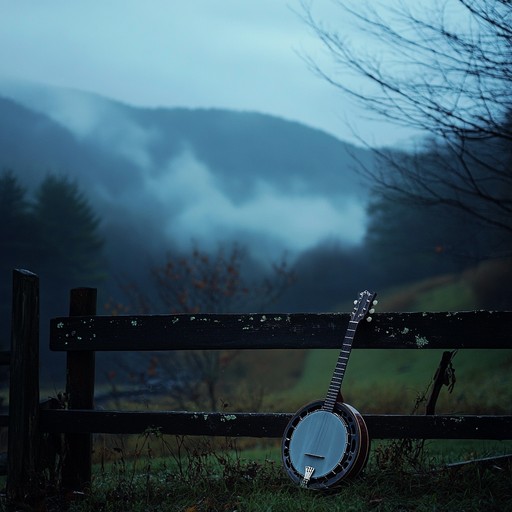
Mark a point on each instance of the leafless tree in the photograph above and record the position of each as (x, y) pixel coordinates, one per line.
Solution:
(200, 282)
(443, 68)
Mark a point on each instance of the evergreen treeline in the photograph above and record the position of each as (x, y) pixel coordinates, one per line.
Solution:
(53, 233)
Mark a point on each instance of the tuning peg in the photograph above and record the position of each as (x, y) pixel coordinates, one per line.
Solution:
(371, 311)
(375, 302)
(355, 302)
(368, 318)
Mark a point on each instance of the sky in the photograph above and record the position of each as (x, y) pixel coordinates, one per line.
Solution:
(235, 54)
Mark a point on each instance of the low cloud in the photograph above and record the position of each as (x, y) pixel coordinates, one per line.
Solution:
(201, 211)
(169, 205)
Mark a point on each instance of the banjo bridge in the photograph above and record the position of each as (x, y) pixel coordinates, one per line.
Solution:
(314, 455)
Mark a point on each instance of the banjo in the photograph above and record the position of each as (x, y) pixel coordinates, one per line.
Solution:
(327, 441)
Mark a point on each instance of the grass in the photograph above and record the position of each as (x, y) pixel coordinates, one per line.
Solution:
(220, 478)
(389, 381)
(201, 475)
(385, 381)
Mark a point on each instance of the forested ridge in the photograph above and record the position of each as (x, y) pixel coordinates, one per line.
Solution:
(55, 226)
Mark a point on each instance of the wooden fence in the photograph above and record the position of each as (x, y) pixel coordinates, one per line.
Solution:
(82, 333)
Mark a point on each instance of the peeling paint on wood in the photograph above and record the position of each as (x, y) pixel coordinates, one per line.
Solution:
(421, 342)
(472, 329)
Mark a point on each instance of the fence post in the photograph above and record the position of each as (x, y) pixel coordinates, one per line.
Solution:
(76, 468)
(23, 444)
(439, 380)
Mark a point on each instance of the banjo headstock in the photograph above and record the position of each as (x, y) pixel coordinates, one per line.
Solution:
(363, 306)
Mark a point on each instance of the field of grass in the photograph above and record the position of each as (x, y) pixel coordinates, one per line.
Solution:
(390, 381)
(208, 478)
(205, 475)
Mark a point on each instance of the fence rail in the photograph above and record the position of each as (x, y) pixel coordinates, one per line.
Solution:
(468, 329)
(272, 425)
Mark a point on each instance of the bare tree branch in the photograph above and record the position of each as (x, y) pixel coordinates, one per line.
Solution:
(202, 282)
(442, 67)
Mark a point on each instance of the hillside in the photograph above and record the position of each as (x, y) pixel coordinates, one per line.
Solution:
(390, 381)
(173, 175)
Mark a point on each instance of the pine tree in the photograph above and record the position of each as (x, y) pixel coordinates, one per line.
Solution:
(69, 246)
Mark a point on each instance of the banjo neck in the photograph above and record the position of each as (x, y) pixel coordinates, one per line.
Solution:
(339, 370)
(361, 310)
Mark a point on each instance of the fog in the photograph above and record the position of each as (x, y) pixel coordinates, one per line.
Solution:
(162, 193)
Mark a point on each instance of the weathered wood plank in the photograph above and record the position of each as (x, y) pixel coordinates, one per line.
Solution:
(23, 443)
(270, 425)
(76, 468)
(447, 330)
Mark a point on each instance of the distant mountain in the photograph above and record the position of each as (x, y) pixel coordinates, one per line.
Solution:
(161, 177)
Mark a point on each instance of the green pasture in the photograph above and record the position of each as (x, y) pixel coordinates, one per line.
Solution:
(391, 381)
